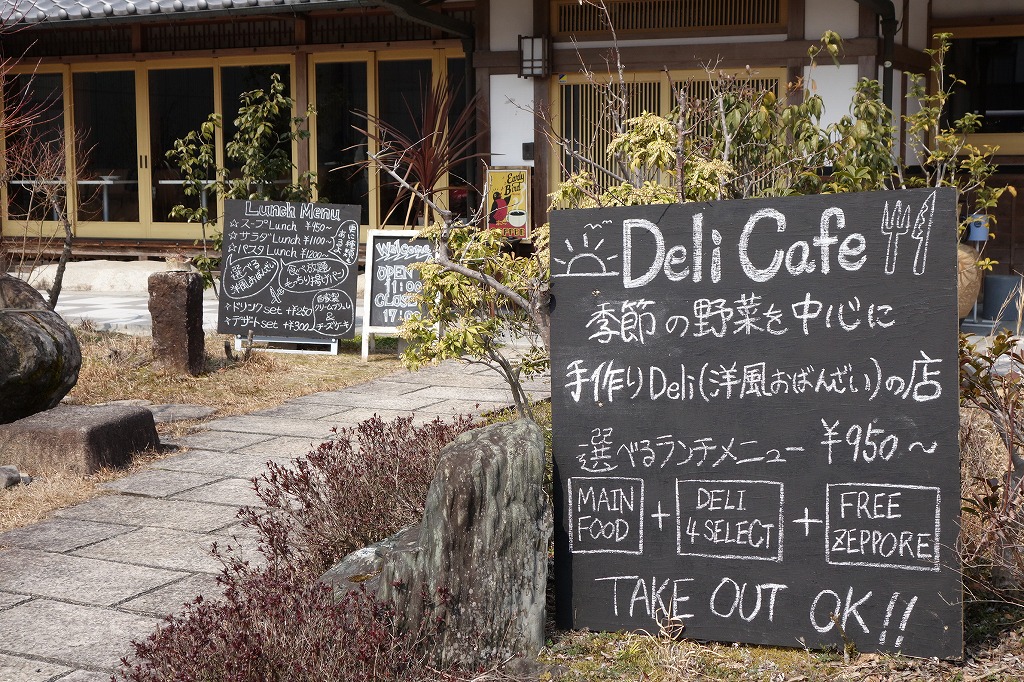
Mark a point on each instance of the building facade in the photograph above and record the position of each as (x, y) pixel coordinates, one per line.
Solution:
(123, 79)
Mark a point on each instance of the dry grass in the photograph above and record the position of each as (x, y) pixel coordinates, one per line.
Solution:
(59, 488)
(54, 489)
(120, 367)
(982, 456)
(631, 656)
(982, 453)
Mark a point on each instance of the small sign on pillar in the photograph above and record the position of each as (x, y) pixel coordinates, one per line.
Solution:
(508, 201)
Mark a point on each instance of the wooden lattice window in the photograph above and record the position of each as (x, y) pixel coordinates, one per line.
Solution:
(586, 122)
(374, 27)
(94, 40)
(261, 32)
(700, 88)
(670, 16)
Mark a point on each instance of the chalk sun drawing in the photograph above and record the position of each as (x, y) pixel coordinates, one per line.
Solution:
(587, 262)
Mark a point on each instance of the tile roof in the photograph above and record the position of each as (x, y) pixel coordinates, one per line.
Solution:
(53, 12)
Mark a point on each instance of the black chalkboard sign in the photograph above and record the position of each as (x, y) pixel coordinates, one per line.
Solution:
(755, 420)
(288, 269)
(391, 286)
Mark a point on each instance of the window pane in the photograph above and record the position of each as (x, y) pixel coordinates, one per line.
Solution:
(400, 88)
(179, 101)
(108, 179)
(236, 80)
(340, 89)
(993, 69)
(35, 151)
(461, 197)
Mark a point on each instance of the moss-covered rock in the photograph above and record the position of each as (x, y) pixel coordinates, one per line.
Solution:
(39, 353)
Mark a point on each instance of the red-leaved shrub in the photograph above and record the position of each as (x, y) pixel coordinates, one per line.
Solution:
(276, 622)
(360, 487)
(274, 626)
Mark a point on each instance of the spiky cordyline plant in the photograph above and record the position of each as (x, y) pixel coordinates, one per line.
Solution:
(427, 153)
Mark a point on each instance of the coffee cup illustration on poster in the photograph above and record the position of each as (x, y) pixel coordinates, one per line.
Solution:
(508, 201)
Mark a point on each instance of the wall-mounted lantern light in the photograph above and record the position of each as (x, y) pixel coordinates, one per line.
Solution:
(534, 56)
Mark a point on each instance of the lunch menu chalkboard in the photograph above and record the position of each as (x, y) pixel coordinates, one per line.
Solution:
(755, 409)
(289, 269)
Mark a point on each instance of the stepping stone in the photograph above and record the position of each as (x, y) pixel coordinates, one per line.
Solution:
(82, 438)
(177, 413)
(170, 413)
(71, 634)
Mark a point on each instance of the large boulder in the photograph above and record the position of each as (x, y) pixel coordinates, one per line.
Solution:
(39, 354)
(480, 554)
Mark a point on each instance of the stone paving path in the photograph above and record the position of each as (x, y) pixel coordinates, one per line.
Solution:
(77, 588)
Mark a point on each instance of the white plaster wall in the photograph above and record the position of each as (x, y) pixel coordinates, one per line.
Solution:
(509, 20)
(963, 8)
(841, 16)
(899, 107)
(511, 119)
(916, 25)
(835, 85)
(909, 106)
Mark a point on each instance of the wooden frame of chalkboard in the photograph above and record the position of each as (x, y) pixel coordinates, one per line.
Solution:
(389, 285)
(285, 345)
(755, 415)
(289, 271)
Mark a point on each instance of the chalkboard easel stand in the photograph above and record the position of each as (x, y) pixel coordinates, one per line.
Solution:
(369, 343)
(370, 339)
(288, 344)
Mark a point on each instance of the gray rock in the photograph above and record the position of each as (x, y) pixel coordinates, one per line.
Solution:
(363, 566)
(176, 308)
(10, 477)
(483, 539)
(39, 353)
(82, 438)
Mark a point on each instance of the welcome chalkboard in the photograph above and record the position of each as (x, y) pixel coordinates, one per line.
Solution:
(289, 269)
(391, 285)
(755, 417)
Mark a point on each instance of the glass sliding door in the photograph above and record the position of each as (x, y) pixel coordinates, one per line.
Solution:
(36, 152)
(462, 198)
(341, 90)
(179, 101)
(107, 158)
(402, 85)
(236, 80)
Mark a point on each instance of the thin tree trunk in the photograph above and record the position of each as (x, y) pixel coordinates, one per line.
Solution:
(65, 254)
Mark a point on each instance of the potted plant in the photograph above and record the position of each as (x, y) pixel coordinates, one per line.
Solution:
(970, 267)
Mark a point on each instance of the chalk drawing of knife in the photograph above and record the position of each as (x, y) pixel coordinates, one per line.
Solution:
(922, 232)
